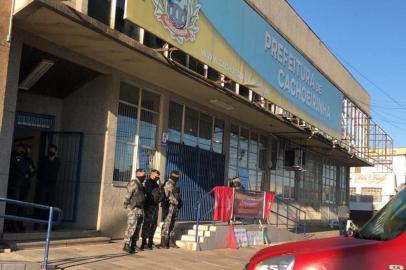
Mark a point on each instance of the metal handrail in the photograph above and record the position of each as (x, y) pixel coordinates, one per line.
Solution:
(50, 221)
(198, 214)
(297, 217)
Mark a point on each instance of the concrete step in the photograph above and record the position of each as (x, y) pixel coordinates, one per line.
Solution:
(187, 245)
(200, 233)
(191, 238)
(205, 228)
(64, 242)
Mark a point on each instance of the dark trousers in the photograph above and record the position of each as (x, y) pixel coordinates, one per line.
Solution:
(14, 210)
(45, 196)
(150, 222)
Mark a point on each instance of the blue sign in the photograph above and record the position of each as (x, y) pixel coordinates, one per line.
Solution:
(276, 60)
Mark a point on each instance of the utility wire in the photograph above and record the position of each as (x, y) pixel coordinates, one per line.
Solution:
(370, 81)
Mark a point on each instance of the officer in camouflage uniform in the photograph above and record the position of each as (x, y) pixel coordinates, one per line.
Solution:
(152, 193)
(170, 203)
(134, 203)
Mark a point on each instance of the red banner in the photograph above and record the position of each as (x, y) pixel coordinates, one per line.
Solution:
(248, 205)
(223, 203)
(229, 202)
(269, 197)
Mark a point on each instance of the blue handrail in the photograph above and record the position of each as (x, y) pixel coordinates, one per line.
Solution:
(50, 221)
(198, 212)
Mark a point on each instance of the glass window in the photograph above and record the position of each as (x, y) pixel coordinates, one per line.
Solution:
(122, 25)
(218, 136)
(150, 101)
(134, 151)
(99, 10)
(253, 152)
(371, 194)
(175, 122)
(247, 150)
(205, 131)
(148, 128)
(233, 160)
(126, 142)
(129, 93)
(329, 181)
(127, 123)
(191, 127)
(243, 153)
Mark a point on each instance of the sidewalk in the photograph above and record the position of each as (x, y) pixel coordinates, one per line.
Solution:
(110, 256)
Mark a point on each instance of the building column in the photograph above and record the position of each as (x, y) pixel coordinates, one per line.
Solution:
(10, 54)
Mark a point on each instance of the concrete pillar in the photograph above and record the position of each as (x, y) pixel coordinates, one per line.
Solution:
(10, 54)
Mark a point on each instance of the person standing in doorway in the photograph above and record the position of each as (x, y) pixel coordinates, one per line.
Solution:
(47, 175)
(19, 177)
(152, 194)
(134, 203)
(171, 202)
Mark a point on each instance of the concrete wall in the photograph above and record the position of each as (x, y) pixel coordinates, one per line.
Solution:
(283, 17)
(27, 102)
(9, 69)
(86, 110)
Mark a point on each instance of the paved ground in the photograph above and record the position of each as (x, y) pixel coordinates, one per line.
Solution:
(110, 256)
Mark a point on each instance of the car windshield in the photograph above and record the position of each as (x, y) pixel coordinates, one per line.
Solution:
(389, 222)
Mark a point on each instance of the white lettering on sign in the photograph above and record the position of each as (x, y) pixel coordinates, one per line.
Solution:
(294, 65)
(297, 79)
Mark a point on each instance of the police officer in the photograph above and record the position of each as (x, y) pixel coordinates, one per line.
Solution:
(152, 194)
(171, 201)
(19, 177)
(134, 203)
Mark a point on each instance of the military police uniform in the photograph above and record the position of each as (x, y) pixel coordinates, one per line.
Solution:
(170, 203)
(134, 203)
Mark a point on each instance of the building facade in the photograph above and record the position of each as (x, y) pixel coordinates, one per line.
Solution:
(372, 187)
(119, 85)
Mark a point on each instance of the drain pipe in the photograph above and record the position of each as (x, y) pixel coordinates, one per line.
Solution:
(10, 25)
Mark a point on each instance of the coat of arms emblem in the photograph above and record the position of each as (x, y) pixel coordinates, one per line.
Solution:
(179, 17)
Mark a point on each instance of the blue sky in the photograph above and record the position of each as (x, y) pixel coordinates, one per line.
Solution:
(369, 37)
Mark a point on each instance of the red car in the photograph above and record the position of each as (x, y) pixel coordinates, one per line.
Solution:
(379, 244)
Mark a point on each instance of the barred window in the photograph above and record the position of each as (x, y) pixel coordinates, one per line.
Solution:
(136, 137)
(329, 182)
(195, 128)
(353, 194)
(247, 157)
(371, 194)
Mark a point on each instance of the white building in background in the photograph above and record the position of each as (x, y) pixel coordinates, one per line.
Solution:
(371, 187)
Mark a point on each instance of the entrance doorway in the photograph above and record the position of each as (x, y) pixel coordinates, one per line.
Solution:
(35, 133)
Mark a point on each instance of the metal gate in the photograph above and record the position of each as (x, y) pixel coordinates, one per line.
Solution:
(69, 152)
(201, 170)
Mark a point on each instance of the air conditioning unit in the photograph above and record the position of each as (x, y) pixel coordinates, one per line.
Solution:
(295, 159)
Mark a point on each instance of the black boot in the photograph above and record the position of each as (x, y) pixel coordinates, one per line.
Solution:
(167, 242)
(143, 244)
(172, 242)
(162, 244)
(127, 248)
(150, 243)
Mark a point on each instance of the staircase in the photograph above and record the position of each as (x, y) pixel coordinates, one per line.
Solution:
(187, 240)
